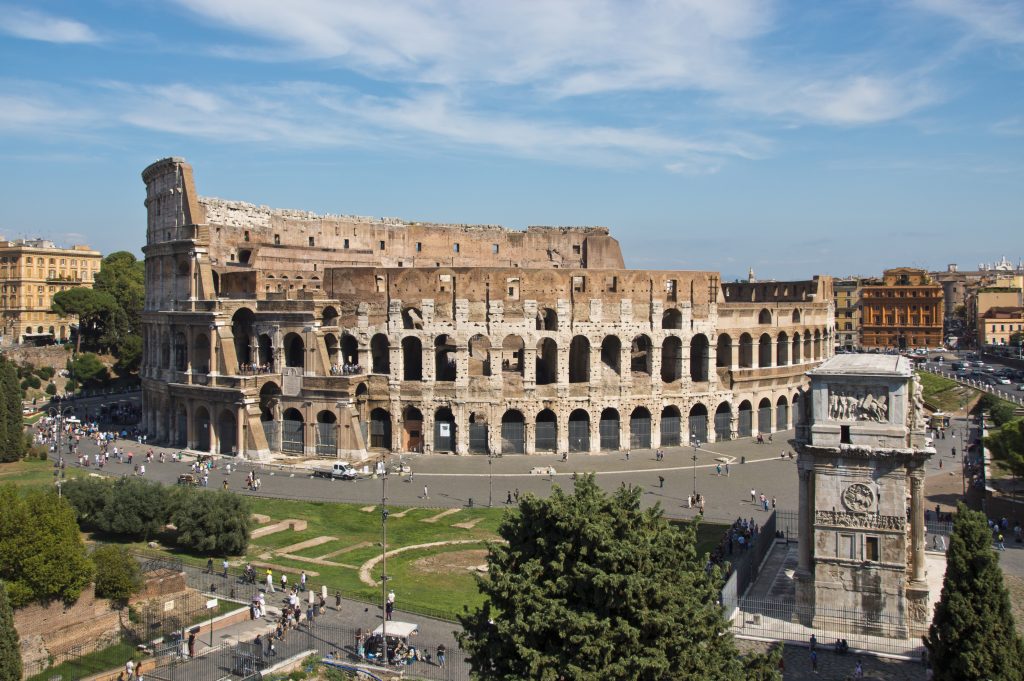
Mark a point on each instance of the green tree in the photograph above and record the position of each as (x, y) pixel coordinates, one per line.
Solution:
(129, 354)
(13, 442)
(215, 523)
(90, 497)
(42, 556)
(590, 586)
(1007, 446)
(138, 509)
(88, 369)
(10, 650)
(95, 311)
(122, 275)
(972, 636)
(118, 575)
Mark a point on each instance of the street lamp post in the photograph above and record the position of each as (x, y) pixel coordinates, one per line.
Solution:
(490, 478)
(384, 558)
(696, 444)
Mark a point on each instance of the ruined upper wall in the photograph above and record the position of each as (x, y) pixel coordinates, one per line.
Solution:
(818, 289)
(268, 233)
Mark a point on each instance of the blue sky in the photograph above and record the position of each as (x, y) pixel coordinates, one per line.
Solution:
(796, 138)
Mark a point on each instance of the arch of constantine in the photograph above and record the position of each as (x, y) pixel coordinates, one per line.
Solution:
(284, 331)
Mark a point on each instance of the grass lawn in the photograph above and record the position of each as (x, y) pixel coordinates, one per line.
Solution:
(32, 472)
(944, 393)
(436, 581)
(102, 660)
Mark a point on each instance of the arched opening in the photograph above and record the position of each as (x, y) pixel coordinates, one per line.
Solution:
(546, 432)
(329, 317)
(611, 353)
(200, 354)
(764, 351)
(350, 354)
(698, 424)
(241, 331)
(547, 361)
(808, 347)
(513, 432)
(579, 360)
(444, 430)
(266, 351)
(227, 429)
(781, 414)
(608, 428)
(333, 352)
(270, 406)
(380, 430)
(547, 320)
(764, 416)
(782, 350)
(640, 429)
(579, 431)
(326, 434)
(479, 355)
(796, 348)
(640, 355)
(764, 316)
(796, 316)
(672, 359)
(412, 359)
(361, 392)
(723, 422)
(478, 443)
(512, 355)
(670, 426)
(444, 358)
(723, 351)
(746, 351)
(293, 433)
(817, 344)
(412, 318)
(179, 430)
(180, 351)
(699, 358)
(672, 319)
(797, 417)
(412, 425)
(294, 351)
(201, 425)
(746, 421)
(380, 354)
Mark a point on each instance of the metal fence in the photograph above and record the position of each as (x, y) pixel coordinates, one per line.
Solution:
(745, 566)
(781, 619)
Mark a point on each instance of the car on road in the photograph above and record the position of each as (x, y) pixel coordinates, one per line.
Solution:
(1020, 387)
(1002, 380)
(339, 471)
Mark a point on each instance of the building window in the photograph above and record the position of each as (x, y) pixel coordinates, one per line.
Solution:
(494, 249)
(871, 552)
(245, 236)
(311, 242)
(576, 249)
(345, 244)
(847, 547)
(277, 239)
(381, 245)
(579, 284)
(513, 288)
(419, 246)
(455, 247)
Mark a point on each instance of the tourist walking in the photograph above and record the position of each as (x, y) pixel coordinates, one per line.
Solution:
(441, 650)
(425, 494)
(753, 495)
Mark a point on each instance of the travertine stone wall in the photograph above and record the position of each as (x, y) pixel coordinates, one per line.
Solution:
(449, 337)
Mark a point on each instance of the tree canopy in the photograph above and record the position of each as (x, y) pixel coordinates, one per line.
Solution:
(10, 650)
(118, 574)
(1007, 446)
(972, 636)
(42, 556)
(588, 586)
(13, 442)
(213, 523)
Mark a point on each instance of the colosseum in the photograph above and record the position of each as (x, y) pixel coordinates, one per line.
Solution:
(270, 332)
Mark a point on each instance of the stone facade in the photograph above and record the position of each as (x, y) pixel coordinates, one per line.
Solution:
(283, 331)
(862, 455)
(904, 311)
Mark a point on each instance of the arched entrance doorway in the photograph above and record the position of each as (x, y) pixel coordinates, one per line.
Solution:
(380, 430)
(781, 414)
(513, 432)
(698, 423)
(579, 431)
(227, 427)
(609, 429)
(478, 434)
(546, 433)
(723, 422)
(746, 423)
(326, 434)
(670, 426)
(640, 429)
(201, 426)
(764, 416)
(412, 425)
(444, 430)
(293, 436)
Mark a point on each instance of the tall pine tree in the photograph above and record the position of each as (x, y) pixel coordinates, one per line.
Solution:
(10, 650)
(590, 586)
(972, 637)
(12, 438)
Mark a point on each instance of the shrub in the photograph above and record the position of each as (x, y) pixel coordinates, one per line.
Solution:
(118, 575)
(45, 373)
(51, 389)
(215, 523)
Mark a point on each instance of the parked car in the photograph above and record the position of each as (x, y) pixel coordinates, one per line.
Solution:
(188, 480)
(1002, 380)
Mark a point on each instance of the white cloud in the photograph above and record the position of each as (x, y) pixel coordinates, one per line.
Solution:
(1010, 127)
(32, 25)
(998, 20)
(41, 111)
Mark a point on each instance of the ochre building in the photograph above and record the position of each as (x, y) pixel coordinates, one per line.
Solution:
(270, 331)
(904, 311)
(31, 272)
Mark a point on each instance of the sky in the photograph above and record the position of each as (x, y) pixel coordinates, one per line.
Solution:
(794, 138)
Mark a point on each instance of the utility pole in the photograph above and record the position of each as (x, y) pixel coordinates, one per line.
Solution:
(696, 444)
(384, 558)
(490, 479)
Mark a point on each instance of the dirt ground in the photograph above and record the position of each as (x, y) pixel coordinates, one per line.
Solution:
(451, 562)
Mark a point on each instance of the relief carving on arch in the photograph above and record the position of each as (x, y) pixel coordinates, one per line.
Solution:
(858, 403)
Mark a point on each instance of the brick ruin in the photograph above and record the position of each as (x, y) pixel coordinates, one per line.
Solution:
(277, 331)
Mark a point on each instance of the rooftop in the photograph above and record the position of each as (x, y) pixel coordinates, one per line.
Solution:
(864, 364)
